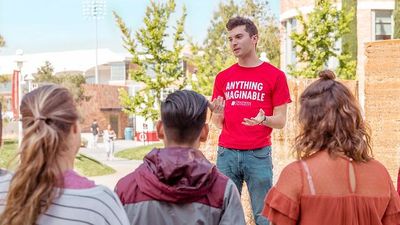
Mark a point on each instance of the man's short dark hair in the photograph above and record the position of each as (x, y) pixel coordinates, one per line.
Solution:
(183, 114)
(240, 21)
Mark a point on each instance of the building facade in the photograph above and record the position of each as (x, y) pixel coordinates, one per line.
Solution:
(374, 22)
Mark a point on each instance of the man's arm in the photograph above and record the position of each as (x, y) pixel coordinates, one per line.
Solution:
(218, 119)
(217, 107)
(276, 121)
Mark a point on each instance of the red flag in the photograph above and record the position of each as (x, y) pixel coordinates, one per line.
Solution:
(14, 94)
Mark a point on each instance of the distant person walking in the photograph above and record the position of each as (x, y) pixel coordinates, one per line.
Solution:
(95, 131)
(335, 181)
(109, 137)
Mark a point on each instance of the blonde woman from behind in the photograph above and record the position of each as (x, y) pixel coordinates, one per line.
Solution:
(45, 189)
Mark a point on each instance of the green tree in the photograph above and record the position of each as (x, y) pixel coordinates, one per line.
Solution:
(73, 82)
(215, 54)
(45, 74)
(157, 67)
(2, 41)
(396, 14)
(349, 40)
(316, 41)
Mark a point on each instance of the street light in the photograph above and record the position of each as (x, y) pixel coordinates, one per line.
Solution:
(95, 9)
(20, 61)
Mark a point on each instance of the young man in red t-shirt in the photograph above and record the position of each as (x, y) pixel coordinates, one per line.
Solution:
(249, 99)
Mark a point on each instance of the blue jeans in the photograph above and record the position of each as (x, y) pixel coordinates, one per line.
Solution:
(253, 167)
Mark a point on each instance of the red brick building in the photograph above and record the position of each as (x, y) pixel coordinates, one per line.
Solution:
(103, 106)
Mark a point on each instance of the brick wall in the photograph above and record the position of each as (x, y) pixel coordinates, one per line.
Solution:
(382, 107)
(103, 104)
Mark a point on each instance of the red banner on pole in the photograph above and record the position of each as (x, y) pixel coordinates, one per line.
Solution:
(14, 94)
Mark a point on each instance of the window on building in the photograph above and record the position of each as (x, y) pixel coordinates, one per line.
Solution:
(118, 71)
(383, 24)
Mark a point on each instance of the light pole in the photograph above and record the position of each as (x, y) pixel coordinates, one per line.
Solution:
(19, 60)
(95, 9)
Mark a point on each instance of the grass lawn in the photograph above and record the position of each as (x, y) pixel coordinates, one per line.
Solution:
(7, 153)
(137, 153)
(85, 165)
(90, 167)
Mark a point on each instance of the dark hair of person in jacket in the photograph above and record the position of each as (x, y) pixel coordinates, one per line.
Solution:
(183, 119)
(330, 119)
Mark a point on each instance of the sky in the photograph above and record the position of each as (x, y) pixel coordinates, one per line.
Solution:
(37, 26)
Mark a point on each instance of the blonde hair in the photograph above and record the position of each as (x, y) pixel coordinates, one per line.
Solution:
(48, 113)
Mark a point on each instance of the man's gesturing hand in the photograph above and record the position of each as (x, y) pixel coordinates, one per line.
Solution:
(255, 120)
(217, 105)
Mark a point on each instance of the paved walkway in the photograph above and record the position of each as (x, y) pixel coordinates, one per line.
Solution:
(122, 166)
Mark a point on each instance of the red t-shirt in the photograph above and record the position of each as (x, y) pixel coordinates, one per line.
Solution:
(246, 90)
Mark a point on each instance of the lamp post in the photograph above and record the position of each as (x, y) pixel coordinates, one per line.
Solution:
(19, 60)
(95, 9)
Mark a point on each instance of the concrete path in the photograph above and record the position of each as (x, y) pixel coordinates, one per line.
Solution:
(122, 166)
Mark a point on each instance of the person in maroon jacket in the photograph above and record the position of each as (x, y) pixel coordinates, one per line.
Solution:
(178, 185)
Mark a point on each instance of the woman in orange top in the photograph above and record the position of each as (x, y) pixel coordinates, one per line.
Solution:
(335, 180)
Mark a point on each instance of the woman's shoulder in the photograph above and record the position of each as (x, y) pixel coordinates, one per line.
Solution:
(293, 169)
(99, 201)
(97, 194)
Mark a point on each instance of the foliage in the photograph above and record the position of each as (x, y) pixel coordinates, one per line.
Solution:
(2, 41)
(73, 82)
(316, 41)
(137, 153)
(396, 13)
(215, 54)
(157, 67)
(4, 78)
(349, 40)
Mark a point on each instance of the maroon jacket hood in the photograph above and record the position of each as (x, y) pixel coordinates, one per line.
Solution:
(177, 175)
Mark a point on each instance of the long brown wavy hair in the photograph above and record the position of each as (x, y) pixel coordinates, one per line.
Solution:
(330, 119)
(48, 113)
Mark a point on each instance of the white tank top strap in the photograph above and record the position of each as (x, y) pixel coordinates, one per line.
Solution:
(309, 177)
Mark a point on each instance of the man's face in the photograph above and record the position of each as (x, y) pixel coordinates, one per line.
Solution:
(240, 41)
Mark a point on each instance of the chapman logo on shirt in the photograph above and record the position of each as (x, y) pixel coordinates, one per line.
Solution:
(240, 103)
(244, 90)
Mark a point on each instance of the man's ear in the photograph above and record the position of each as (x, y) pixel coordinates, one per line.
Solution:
(204, 133)
(254, 38)
(160, 130)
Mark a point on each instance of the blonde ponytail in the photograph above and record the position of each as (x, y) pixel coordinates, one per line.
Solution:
(47, 116)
